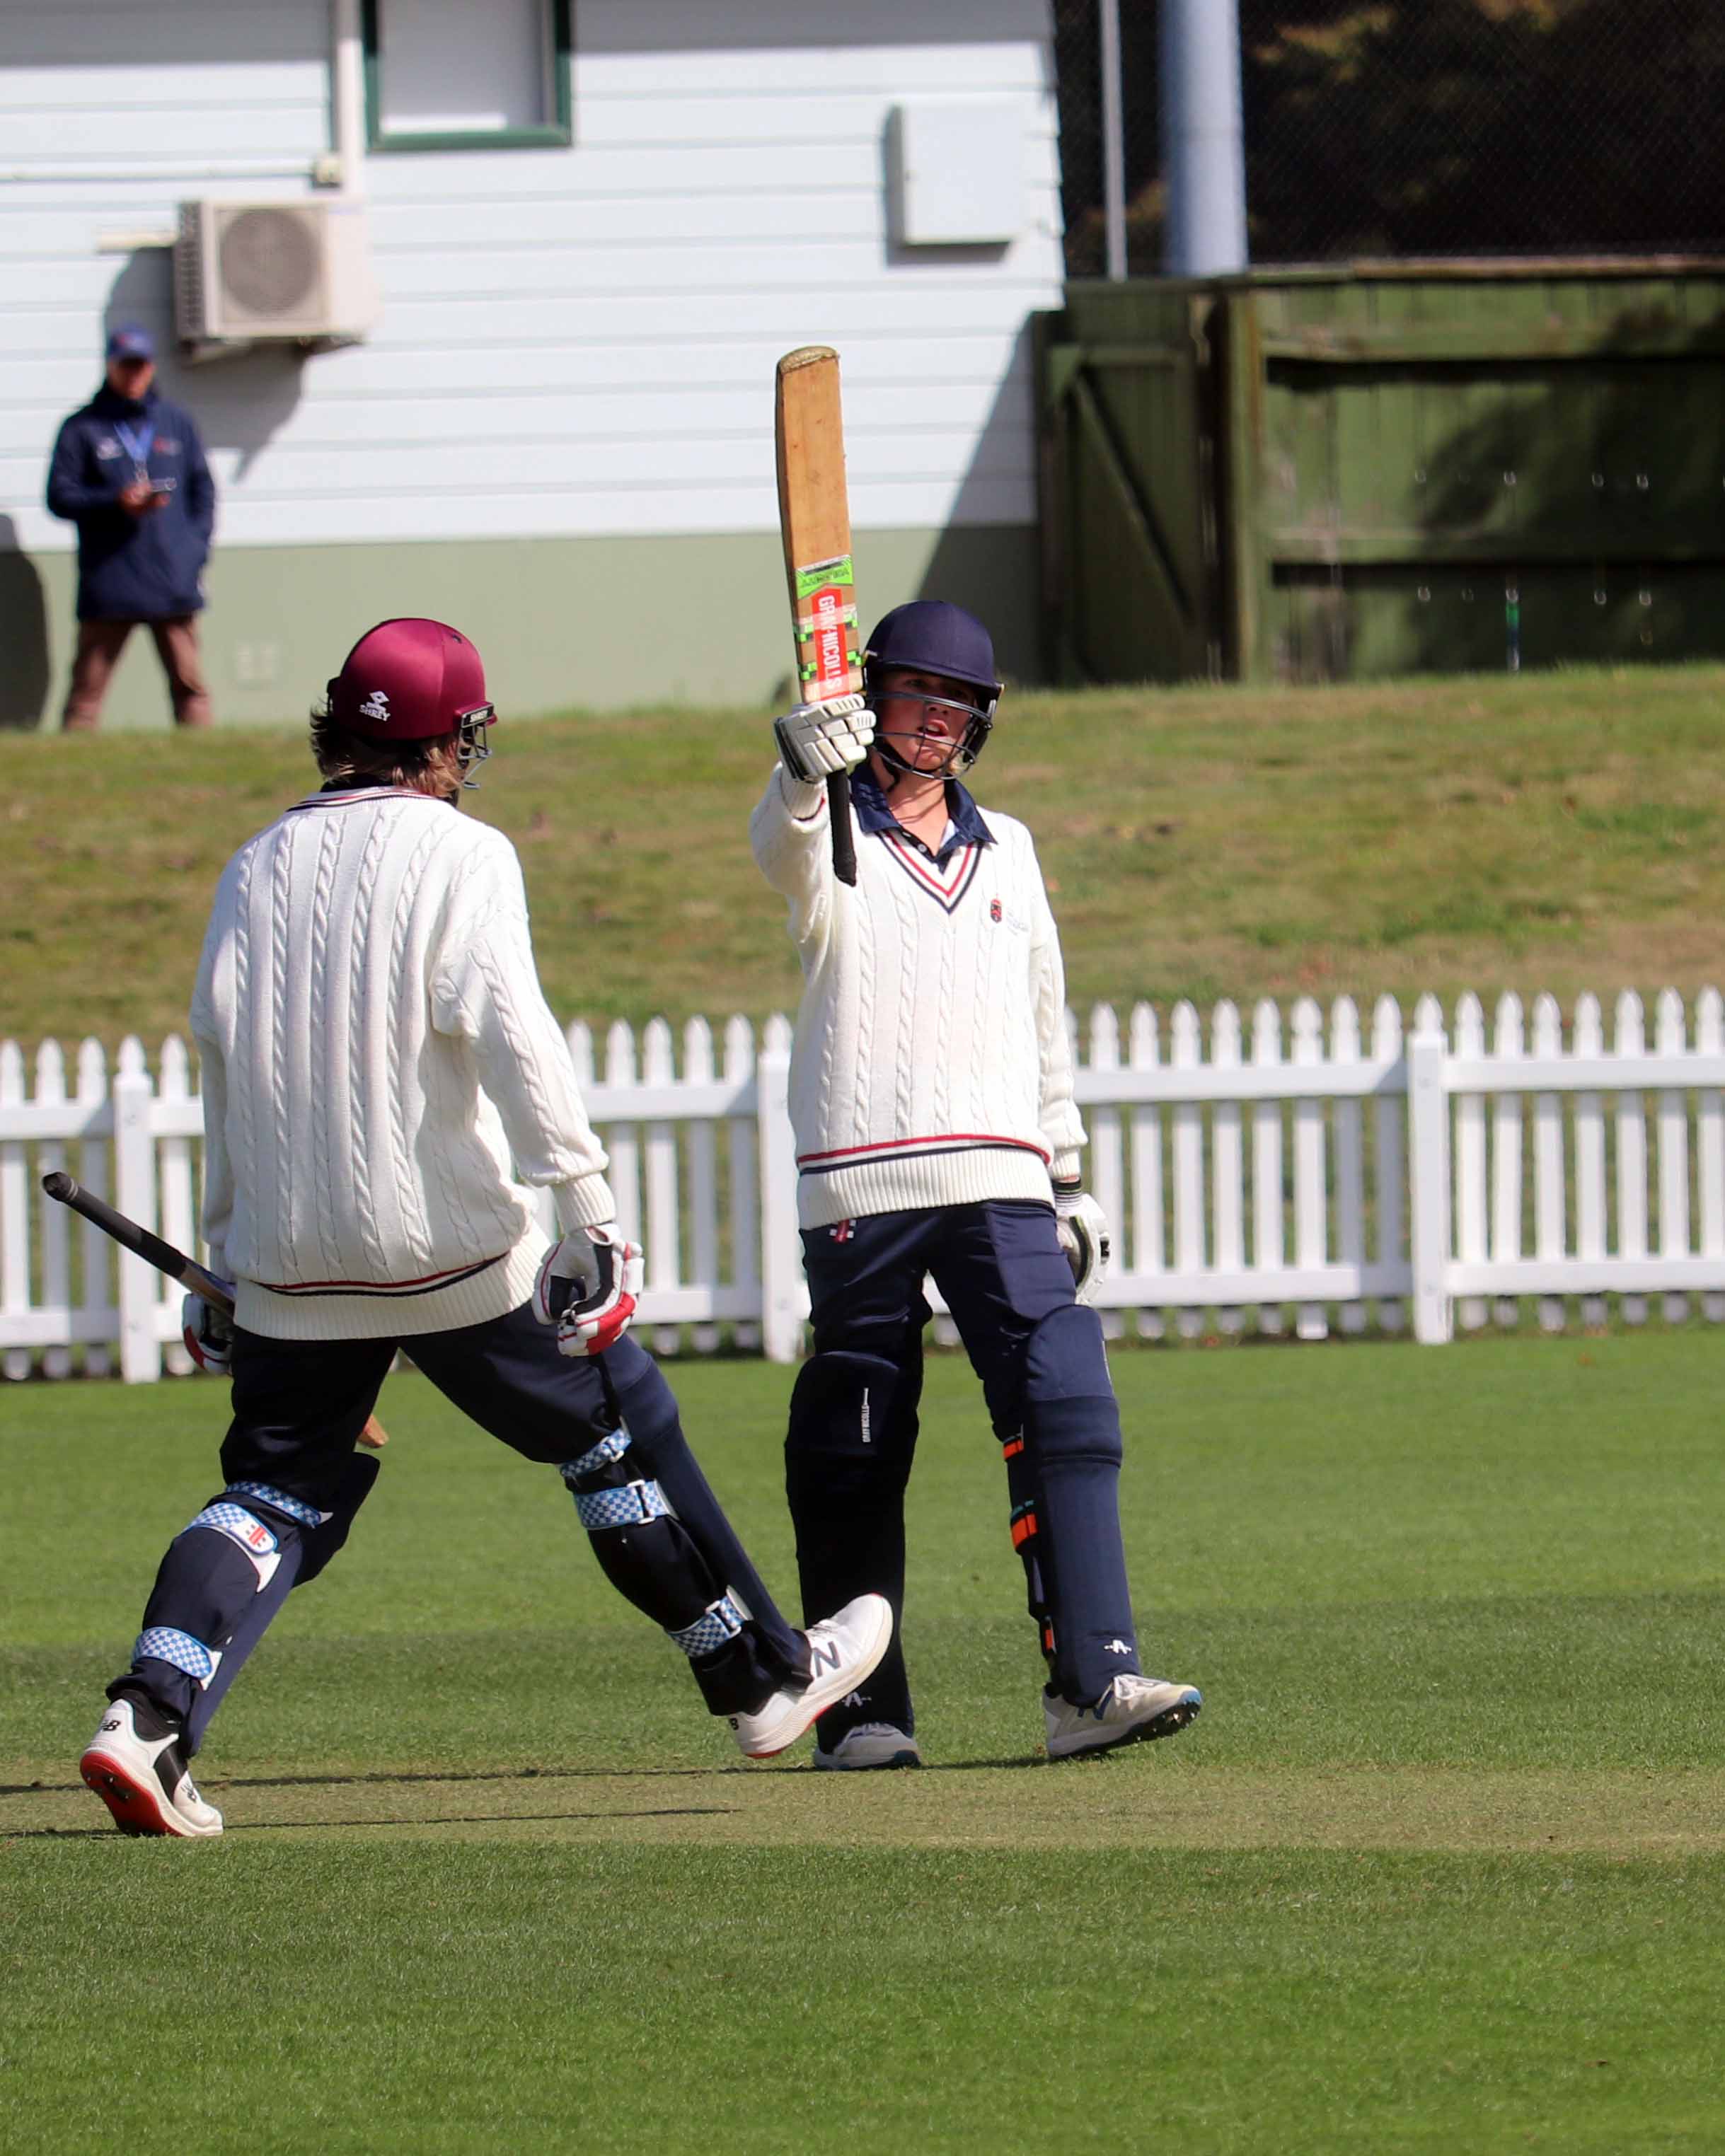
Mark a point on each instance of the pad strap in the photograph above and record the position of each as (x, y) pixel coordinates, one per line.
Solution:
(607, 1449)
(295, 1508)
(162, 1643)
(716, 1627)
(631, 1506)
(235, 1520)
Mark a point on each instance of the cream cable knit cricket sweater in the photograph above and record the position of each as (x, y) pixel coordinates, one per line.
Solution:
(931, 1065)
(375, 1049)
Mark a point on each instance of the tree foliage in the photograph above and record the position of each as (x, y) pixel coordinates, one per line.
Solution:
(1435, 127)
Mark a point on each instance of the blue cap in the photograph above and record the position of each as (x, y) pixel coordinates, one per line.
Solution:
(131, 340)
(936, 637)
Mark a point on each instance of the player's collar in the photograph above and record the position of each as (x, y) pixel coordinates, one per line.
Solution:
(874, 814)
(344, 793)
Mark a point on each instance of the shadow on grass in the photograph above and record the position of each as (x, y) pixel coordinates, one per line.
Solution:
(440, 1818)
(223, 1782)
(446, 1775)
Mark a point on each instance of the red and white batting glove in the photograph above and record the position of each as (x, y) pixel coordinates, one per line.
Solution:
(1086, 1238)
(816, 739)
(209, 1335)
(587, 1288)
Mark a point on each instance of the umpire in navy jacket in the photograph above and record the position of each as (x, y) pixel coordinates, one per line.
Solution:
(129, 471)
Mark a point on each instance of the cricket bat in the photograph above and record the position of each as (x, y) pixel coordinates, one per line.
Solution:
(815, 522)
(165, 1258)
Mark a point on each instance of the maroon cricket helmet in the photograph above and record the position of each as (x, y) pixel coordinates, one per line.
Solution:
(409, 679)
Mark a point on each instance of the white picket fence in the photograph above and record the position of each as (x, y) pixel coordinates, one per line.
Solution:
(1291, 1170)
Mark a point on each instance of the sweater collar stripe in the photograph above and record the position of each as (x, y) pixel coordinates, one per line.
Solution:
(947, 889)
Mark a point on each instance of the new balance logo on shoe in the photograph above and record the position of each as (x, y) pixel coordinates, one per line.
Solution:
(112, 1723)
(843, 1650)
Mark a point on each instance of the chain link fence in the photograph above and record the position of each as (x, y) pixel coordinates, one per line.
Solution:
(1432, 128)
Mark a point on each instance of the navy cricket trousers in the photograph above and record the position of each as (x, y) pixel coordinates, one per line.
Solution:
(854, 1427)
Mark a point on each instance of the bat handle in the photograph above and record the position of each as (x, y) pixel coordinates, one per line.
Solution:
(844, 837)
(167, 1259)
(127, 1233)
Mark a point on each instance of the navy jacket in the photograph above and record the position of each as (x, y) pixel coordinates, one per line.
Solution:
(134, 568)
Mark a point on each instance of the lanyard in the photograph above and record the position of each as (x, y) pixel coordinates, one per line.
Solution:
(136, 441)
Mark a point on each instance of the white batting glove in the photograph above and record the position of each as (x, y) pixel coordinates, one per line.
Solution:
(209, 1335)
(587, 1288)
(1086, 1238)
(816, 739)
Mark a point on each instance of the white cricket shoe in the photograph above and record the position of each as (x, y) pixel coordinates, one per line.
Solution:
(1132, 1710)
(135, 1765)
(843, 1650)
(871, 1744)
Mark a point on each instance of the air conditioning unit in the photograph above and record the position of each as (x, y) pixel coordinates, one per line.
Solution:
(254, 272)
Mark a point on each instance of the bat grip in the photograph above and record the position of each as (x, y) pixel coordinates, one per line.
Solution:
(844, 837)
(166, 1259)
(132, 1237)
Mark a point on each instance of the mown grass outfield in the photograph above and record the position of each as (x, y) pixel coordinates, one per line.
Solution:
(1560, 830)
(1439, 1868)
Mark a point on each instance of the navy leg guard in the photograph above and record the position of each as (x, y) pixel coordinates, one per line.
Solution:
(1064, 1482)
(215, 1571)
(646, 1551)
(847, 1455)
(302, 1561)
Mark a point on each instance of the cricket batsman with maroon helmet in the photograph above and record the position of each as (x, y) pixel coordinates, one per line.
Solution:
(384, 1090)
(936, 1133)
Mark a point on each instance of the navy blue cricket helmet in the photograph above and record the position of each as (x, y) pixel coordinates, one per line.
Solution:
(933, 636)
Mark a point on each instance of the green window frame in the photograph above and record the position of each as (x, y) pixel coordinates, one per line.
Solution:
(556, 134)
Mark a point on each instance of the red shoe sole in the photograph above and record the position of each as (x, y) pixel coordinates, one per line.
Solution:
(134, 1809)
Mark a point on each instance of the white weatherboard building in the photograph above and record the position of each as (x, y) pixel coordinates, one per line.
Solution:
(589, 228)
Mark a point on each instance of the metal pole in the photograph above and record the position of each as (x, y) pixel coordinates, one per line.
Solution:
(1114, 143)
(1203, 145)
(347, 78)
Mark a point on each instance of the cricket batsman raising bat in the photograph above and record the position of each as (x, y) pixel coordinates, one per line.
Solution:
(931, 1096)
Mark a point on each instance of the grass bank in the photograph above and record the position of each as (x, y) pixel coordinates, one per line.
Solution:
(1558, 831)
